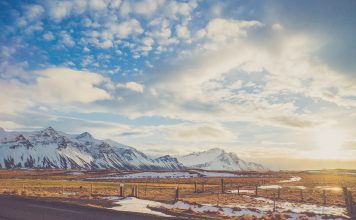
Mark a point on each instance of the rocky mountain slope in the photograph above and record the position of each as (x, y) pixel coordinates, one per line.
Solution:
(49, 148)
(218, 159)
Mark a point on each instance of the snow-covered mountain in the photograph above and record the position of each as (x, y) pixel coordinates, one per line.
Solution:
(49, 148)
(218, 159)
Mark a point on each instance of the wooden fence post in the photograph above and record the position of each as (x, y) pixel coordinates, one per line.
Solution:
(324, 197)
(217, 203)
(177, 193)
(349, 203)
(133, 191)
(256, 190)
(222, 186)
(301, 195)
(195, 187)
(122, 190)
(279, 193)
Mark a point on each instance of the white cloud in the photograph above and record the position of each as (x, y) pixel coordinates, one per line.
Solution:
(59, 9)
(220, 29)
(55, 87)
(67, 39)
(175, 8)
(182, 31)
(115, 4)
(198, 132)
(127, 28)
(34, 12)
(277, 27)
(106, 44)
(48, 36)
(134, 86)
(147, 7)
(61, 85)
(98, 4)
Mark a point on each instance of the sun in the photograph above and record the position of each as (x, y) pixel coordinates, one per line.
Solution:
(330, 141)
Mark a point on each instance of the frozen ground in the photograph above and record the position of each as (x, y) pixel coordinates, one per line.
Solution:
(292, 210)
(131, 204)
(178, 174)
(292, 179)
(151, 175)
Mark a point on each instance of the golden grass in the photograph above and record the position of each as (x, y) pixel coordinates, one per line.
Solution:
(59, 183)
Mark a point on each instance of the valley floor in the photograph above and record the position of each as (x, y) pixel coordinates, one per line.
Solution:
(281, 195)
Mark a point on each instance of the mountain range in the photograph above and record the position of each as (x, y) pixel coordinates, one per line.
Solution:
(49, 148)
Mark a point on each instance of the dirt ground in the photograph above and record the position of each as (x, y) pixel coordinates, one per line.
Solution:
(320, 187)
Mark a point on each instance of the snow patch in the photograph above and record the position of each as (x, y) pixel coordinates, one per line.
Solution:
(292, 179)
(131, 204)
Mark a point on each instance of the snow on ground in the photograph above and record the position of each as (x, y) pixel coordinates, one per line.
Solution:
(292, 179)
(297, 187)
(235, 191)
(76, 173)
(270, 187)
(151, 175)
(329, 188)
(300, 207)
(293, 210)
(218, 174)
(226, 211)
(131, 204)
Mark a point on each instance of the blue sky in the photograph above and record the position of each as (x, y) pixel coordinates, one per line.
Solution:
(273, 81)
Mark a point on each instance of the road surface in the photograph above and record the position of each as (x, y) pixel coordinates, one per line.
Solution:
(18, 208)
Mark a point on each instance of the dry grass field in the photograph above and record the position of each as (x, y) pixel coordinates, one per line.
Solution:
(312, 188)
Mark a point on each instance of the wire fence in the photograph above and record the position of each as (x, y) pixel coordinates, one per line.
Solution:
(223, 193)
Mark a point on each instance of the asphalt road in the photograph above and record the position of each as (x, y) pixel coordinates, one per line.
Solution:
(17, 208)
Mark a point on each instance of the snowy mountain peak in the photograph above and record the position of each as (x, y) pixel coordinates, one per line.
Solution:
(218, 159)
(49, 132)
(84, 135)
(2, 130)
(49, 148)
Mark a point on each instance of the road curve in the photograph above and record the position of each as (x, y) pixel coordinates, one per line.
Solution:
(19, 208)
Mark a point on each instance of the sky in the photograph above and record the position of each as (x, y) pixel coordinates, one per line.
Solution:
(272, 81)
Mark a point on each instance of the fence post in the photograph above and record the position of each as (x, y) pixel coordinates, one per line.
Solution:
(222, 186)
(136, 191)
(217, 203)
(133, 191)
(301, 195)
(177, 193)
(256, 190)
(349, 203)
(122, 190)
(279, 193)
(324, 197)
(195, 187)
